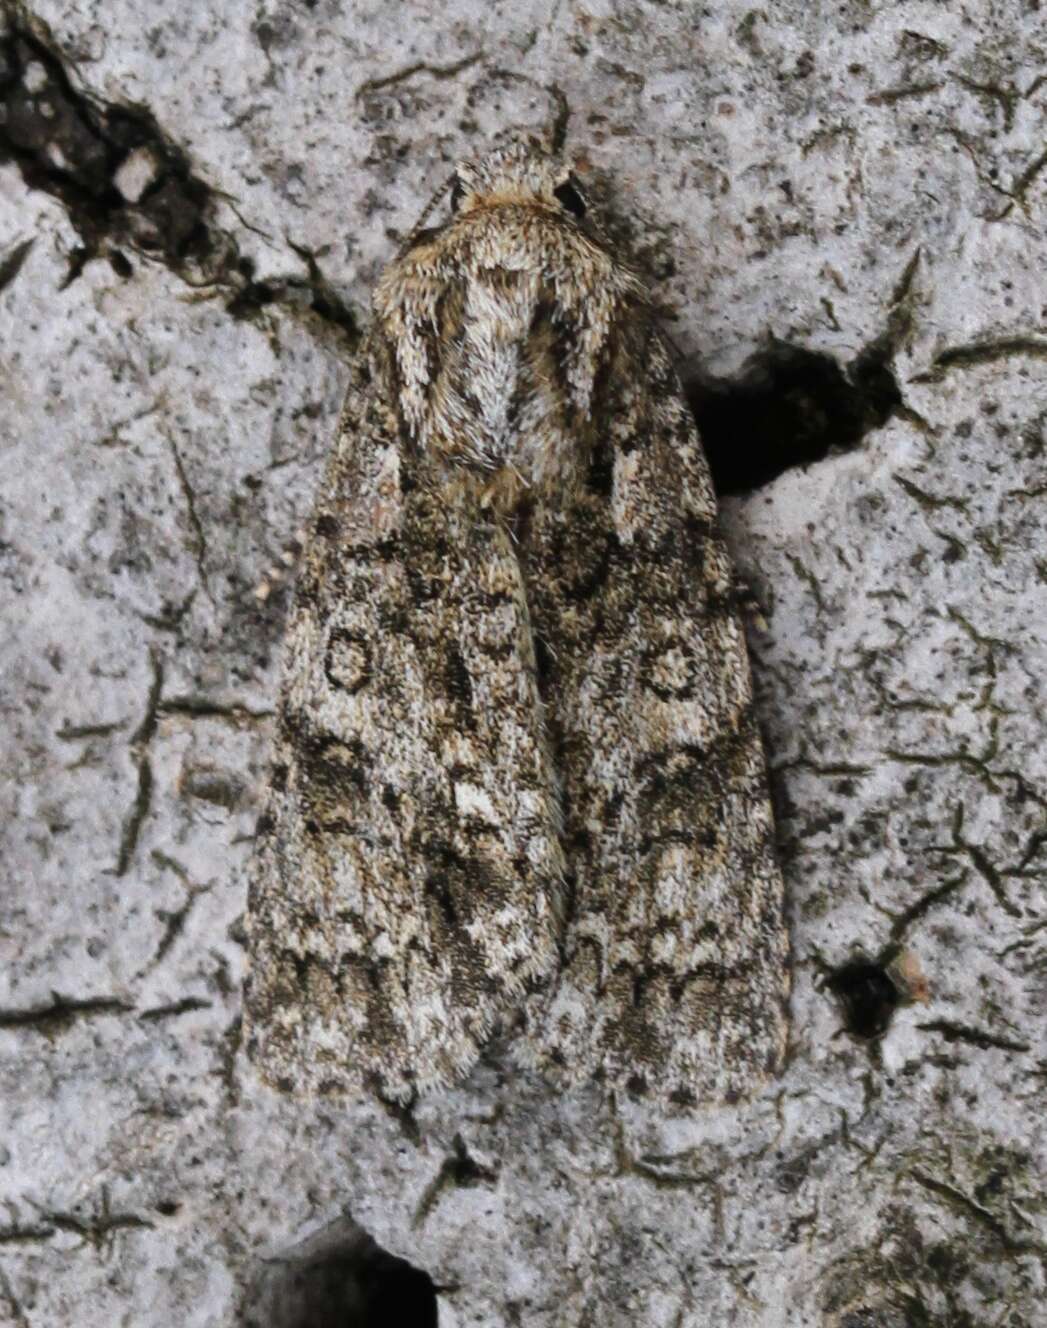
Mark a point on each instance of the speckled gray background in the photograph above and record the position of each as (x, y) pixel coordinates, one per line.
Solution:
(194, 203)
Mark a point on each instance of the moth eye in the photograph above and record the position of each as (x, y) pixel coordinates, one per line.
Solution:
(457, 194)
(570, 199)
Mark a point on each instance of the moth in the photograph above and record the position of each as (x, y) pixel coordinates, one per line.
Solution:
(518, 782)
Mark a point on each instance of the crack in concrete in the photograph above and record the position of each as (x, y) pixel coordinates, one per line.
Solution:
(928, 501)
(62, 1012)
(964, 1203)
(805, 574)
(1021, 185)
(96, 1230)
(174, 922)
(993, 876)
(171, 616)
(459, 1169)
(140, 741)
(25, 1235)
(904, 92)
(199, 539)
(1007, 98)
(12, 264)
(419, 67)
(73, 732)
(1036, 841)
(77, 147)
(202, 707)
(136, 817)
(924, 904)
(661, 1171)
(111, 437)
(985, 176)
(982, 352)
(830, 770)
(975, 1037)
(976, 765)
(185, 1006)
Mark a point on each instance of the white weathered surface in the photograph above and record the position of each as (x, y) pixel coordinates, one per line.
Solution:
(778, 168)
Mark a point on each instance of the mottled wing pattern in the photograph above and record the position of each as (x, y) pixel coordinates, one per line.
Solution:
(408, 873)
(675, 974)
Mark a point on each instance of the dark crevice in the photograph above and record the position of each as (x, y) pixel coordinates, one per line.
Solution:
(126, 185)
(97, 1228)
(136, 817)
(11, 263)
(143, 799)
(867, 996)
(337, 1278)
(184, 1006)
(459, 1170)
(199, 537)
(202, 707)
(974, 1037)
(72, 146)
(869, 991)
(62, 1013)
(790, 407)
(174, 920)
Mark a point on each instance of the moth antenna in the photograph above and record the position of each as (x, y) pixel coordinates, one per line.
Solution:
(419, 225)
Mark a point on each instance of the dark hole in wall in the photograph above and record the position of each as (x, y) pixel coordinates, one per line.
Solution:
(339, 1278)
(867, 997)
(788, 407)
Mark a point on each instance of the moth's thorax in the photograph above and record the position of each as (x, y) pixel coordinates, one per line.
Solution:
(503, 325)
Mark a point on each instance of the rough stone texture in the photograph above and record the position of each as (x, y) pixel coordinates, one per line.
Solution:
(189, 228)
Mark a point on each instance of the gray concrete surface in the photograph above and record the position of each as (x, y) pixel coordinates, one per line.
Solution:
(194, 204)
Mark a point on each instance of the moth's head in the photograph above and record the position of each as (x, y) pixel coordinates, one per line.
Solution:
(521, 171)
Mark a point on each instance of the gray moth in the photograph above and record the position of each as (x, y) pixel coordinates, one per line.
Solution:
(518, 782)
